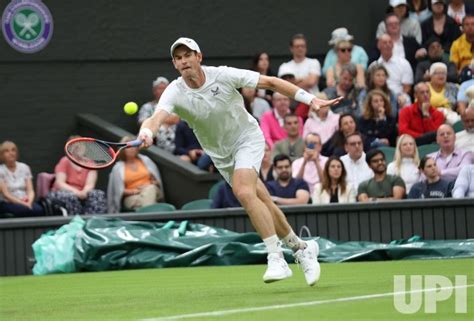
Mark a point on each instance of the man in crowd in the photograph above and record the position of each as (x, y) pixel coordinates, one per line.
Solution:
(461, 49)
(354, 161)
(465, 138)
(464, 186)
(433, 186)
(293, 145)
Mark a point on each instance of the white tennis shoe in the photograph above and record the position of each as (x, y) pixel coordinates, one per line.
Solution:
(277, 269)
(308, 261)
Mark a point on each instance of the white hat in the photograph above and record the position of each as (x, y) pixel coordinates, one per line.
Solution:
(284, 70)
(160, 80)
(188, 42)
(396, 3)
(340, 34)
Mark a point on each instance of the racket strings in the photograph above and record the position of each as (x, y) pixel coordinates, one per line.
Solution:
(90, 153)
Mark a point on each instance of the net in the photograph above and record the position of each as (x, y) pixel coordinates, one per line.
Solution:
(90, 153)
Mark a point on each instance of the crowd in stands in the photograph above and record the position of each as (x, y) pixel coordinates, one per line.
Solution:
(405, 128)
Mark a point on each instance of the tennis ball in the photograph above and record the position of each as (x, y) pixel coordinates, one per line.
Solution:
(130, 108)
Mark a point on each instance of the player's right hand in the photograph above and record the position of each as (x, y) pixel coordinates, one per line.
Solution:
(146, 136)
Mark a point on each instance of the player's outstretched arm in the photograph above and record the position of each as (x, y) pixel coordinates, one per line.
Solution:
(150, 127)
(288, 89)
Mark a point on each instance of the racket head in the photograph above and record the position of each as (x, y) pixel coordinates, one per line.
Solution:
(90, 153)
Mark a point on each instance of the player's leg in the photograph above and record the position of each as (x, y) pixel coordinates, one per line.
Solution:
(244, 186)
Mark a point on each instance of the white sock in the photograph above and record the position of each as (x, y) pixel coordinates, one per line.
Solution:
(273, 244)
(294, 242)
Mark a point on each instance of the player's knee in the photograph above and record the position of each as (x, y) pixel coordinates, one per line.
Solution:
(244, 195)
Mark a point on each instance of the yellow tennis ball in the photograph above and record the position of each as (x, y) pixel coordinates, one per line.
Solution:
(130, 108)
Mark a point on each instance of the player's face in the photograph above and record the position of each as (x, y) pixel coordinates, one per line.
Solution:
(187, 61)
(283, 170)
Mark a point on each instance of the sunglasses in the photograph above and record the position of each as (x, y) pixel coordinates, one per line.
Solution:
(345, 49)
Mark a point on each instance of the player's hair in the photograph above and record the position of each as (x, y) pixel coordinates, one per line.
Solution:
(368, 112)
(326, 181)
(296, 37)
(279, 158)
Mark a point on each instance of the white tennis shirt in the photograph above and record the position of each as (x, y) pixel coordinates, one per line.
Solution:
(215, 111)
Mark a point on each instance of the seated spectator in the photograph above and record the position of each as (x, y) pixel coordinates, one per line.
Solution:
(354, 161)
(406, 161)
(440, 25)
(74, 187)
(343, 48)
(293, 145)
(16, 184)
(159, 86)
(376, 123)
(266, 169)
(224, 197)
(272, 122)
(464, 186)
(464, 95)
(335, 145)
(409, 27)
(334, 188)
(435, 54)
(166, 136)
(400, 73)
(345, 88)
(286, 190)
(261, 64)
(310, 166)
(420, 120)
(443, 94)
(256, 106)
(377, 79)
(382, 186)
(457, 10)
(449, 159)
(419, 10)
(461, 49)
(134, 181)
(321, 121)
(188, 148)
(433, 186)
(465, 138)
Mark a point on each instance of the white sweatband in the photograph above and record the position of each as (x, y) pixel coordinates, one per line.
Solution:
(303, 96)
(147, 132)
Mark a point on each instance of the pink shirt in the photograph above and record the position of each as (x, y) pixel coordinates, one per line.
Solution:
(75, 176)
(272, 131)
(310, 174)
(324, 128)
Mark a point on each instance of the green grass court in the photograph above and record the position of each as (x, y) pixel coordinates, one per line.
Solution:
(154, 294)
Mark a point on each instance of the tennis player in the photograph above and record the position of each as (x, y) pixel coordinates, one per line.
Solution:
(207, 98)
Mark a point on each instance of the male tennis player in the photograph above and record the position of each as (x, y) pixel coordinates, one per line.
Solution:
(207, 98)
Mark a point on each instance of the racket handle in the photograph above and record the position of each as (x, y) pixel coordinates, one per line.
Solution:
(135, 143)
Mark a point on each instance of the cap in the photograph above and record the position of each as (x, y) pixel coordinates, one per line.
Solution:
(396, 3)
(188, 42)
(284, 70)
(160, 80)
(340, 34)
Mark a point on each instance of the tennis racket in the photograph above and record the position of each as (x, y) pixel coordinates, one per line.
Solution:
(93, 153)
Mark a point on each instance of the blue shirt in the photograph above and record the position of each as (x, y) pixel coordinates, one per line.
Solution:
(225, 197)
(288, 191)
(358, 57)
(462, 90)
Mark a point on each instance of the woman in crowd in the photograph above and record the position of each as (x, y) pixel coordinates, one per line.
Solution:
(134, 181)
(419, 10)
(261, 64)
(406, 161)
(443, 93)
(16, 184)
(343, 49)
(334, 188)
(266, 169)
(335, 145)
(377, 123)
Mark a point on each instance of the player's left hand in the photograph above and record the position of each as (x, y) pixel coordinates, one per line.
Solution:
(317, 103)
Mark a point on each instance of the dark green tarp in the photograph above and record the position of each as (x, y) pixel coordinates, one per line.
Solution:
(113, 244)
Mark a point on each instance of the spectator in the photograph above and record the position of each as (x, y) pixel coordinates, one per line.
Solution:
(159, 86)
(293, 145)
(464, 186)
(464, 97)
(409, 27)
(343, 48)
(310, 166)
(134, 181)
(433, 186)
(272, 122)
(256, 106)
(306, 70)
(382, 186)
(286, 190)
(406, 161)
(440, 25)
(358, 54)
(266, 169)
(261, 64)
(435, 54)
(334, 187)
(321, 121)
(377, 124)
(443, 94)
(377, 79)
(335, 145)
(465, 138)
(16, 184)
(461, 49)
(420, 120)
(224, 197)
(354, 161)
(74, 186)
(400, 73)
(449, 159)
(345, 88)
(166, 136)
(188, 148)
(457, 10)
(419, 10)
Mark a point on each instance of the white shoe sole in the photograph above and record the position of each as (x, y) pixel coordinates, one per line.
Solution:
(280, 278)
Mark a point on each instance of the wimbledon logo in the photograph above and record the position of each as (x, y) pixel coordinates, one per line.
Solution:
(27, 25)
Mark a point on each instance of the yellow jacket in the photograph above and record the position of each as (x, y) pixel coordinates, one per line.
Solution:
(461, 53)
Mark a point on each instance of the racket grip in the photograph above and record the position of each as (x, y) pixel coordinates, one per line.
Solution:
(135, 143)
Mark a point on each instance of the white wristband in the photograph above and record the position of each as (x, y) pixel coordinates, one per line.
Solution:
(303, 96)
(147, 132)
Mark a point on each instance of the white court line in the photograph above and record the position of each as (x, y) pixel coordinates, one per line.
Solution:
(301, 304)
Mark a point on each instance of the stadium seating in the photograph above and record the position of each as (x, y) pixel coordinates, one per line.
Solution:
(202, 204)
(389, 152)
(214, 188)
(424, 150)
(458, 126)
(158, 207)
